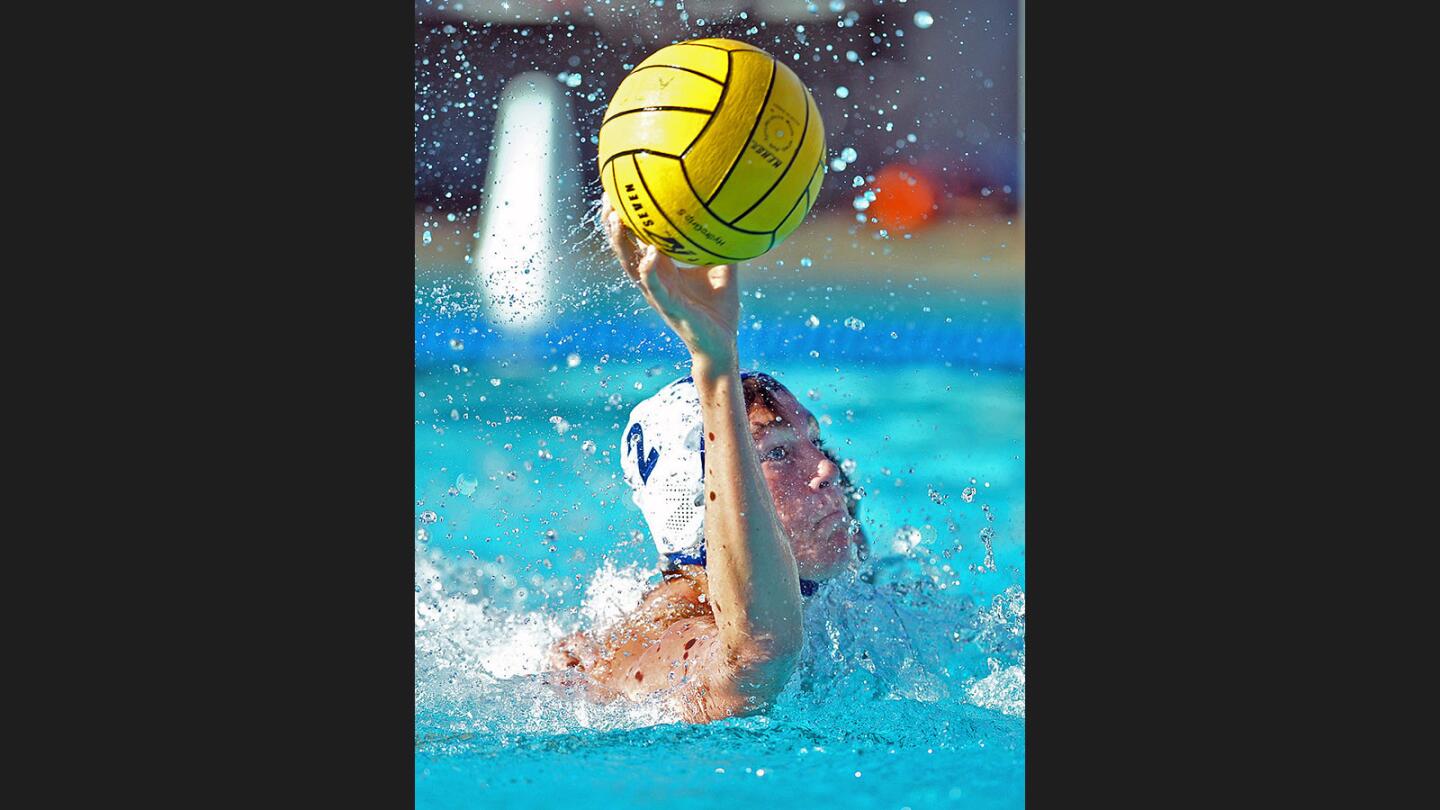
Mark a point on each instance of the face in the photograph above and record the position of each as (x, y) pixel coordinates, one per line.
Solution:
(805, 485)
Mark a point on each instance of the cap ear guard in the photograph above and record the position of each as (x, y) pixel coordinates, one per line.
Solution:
(662, 457)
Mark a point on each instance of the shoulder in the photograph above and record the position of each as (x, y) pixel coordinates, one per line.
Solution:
(687, 586)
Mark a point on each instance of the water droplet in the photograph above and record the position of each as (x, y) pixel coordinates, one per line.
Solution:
(848, 155)
(812, 322)
(842, 91)
(923, 19)
(572, 361)
(428, 516)
(854, 323)
(466, 484)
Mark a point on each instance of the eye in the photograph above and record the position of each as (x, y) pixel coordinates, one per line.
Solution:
(777, 453)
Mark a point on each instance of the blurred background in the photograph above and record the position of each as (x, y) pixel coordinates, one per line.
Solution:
(932, 84)
(921, 101)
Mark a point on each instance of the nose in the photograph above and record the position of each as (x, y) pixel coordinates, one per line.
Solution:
(826, 474)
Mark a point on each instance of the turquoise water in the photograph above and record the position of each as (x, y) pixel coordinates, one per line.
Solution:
(911, 687)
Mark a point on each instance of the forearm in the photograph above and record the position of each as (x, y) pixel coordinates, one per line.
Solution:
(754, 586)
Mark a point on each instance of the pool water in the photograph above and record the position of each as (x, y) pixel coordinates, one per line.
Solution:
(910, 691)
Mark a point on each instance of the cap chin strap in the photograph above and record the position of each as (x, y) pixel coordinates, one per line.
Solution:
(808, 587)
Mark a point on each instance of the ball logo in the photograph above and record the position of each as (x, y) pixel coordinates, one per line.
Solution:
(780, 131)
(633, 197)
(774, 137)
(699, 227)
(670, 242)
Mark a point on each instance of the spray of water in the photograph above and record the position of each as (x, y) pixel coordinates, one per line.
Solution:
(899, 652)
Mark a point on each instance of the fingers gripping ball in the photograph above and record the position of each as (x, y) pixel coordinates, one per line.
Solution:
(712, 151)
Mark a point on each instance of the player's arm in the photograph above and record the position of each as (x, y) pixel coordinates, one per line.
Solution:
(754, 587)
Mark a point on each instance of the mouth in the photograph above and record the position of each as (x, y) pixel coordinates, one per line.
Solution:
(831, 516)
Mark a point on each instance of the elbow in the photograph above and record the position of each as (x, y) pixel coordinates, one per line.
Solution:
(762, 666)
(788, 644)
(746, 678)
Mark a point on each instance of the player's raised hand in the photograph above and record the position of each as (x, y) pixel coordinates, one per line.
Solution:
(701, 304)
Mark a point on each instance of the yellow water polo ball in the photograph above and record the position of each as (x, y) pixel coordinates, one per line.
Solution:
(712, 150)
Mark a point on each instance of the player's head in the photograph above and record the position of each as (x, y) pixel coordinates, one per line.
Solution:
(662, 454)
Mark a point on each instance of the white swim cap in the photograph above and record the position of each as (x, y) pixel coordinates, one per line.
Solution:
(662, 453)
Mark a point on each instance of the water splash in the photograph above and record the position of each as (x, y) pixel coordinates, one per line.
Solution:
(883, 651)
(1003, 689)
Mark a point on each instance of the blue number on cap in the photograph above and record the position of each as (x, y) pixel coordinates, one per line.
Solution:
(636, 439)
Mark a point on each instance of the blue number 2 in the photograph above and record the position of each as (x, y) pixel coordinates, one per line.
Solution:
(636, 440)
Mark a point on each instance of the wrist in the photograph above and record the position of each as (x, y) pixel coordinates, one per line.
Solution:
(710, 366)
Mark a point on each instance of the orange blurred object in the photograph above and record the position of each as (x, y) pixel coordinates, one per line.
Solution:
(905, 198)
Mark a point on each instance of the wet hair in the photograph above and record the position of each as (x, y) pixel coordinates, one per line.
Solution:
(760, 389)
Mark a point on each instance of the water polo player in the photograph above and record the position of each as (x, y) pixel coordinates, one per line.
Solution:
(748, 511)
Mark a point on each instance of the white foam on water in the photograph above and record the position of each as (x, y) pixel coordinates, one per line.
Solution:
(482, 667)
(613, 592)
(1003, 689)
